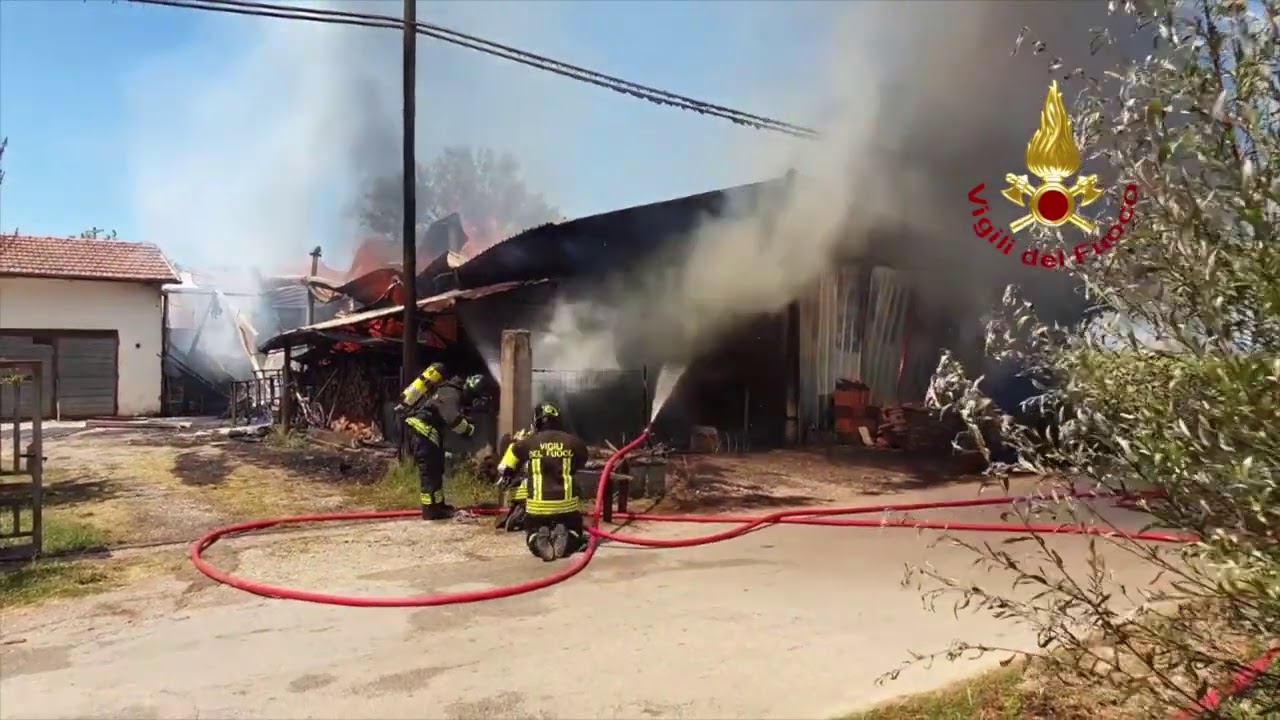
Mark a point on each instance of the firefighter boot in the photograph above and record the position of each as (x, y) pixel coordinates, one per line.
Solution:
(438, 511)
(515, 518)
(560, 541)
(540, 544)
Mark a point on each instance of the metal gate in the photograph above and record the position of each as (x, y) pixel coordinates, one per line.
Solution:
(87, 370)
(24, 347)
(21, 462)
(598, 405)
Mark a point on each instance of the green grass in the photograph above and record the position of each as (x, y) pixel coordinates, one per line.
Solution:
(1004, 694)
(286, 440)
(44, 578)
(41, 580)
(994, 695)
(398, 487)
(62, 534)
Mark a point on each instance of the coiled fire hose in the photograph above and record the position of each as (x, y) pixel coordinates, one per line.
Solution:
(823, 516)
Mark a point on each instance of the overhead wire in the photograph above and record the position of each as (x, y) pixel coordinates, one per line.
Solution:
(541, 62)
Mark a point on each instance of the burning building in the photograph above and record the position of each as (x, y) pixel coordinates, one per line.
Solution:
(872, 319)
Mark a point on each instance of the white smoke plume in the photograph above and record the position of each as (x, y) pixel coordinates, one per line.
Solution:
(928, 101)
(250, 142)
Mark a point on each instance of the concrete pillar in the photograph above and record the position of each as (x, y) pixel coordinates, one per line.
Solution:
(515, 406)
(794, 429)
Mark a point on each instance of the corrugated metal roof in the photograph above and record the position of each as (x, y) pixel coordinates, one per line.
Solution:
(594, 244)
(288, 296)
(435, 303)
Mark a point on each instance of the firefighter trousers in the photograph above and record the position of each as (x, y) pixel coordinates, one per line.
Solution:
(429, 457)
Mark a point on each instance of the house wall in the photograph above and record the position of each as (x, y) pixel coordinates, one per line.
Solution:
(131, 309)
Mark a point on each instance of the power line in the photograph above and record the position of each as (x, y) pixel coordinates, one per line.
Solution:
(466, 40)
(339, 17)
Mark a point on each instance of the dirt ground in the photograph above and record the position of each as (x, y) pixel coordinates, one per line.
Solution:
(148, 486)
(151, 486)
(789, 622)
(796, 478)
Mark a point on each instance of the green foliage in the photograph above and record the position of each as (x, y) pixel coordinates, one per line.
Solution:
(1173, 385)
(484, 187)
(398, 488)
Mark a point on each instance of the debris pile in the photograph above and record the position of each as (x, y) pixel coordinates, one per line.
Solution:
(912, 427)
(359, 431)
(648, 455)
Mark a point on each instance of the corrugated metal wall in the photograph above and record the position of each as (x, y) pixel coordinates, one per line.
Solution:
(852, 326)
(887, 317)
(830, 340)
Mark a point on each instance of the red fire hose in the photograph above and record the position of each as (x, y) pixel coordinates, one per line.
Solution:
(822, 516)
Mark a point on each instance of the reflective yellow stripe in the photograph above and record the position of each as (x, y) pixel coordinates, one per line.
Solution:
(430, 498)
(535, 476)
(423, 429)
(537, 504)
(462, 427)
(522, 492)
(551, 507)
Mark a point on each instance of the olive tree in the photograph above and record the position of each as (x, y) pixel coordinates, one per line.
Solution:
(1172, 386)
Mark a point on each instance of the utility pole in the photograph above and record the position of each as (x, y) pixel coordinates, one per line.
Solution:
(311, 297)
(409, 361)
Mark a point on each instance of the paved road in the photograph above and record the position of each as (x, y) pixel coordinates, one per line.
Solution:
(787, 622)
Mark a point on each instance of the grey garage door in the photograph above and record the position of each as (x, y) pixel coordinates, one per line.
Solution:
(87, 371)
(23, 347)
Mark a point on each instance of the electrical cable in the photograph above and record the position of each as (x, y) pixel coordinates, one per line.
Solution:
(453, 36)
(820, 516)
(541, 62)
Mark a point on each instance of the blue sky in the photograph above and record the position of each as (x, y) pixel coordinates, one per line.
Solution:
(217, 135)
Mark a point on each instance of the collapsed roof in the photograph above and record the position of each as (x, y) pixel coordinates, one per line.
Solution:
(586, 246)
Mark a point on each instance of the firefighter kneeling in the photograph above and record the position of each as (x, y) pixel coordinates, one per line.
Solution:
(550, 458)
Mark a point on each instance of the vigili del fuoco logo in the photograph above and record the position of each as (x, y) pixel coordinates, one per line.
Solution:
(1053, 157)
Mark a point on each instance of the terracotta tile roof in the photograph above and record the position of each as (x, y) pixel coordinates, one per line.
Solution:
(76, 258)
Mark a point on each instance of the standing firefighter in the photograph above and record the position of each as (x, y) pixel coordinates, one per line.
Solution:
(550, 457)
(442, 409)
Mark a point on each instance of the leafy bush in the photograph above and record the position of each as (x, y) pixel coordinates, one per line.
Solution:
(1173, 385)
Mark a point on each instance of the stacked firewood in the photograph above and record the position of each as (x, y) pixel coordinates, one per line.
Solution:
(347, 390)
(911, 427)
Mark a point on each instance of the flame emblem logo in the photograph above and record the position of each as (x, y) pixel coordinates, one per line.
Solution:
(1053, 156)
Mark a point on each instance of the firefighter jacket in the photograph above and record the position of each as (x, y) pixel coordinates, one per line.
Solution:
(550, 459)
(442, 411)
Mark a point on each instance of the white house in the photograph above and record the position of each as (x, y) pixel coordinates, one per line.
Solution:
(92, 311)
